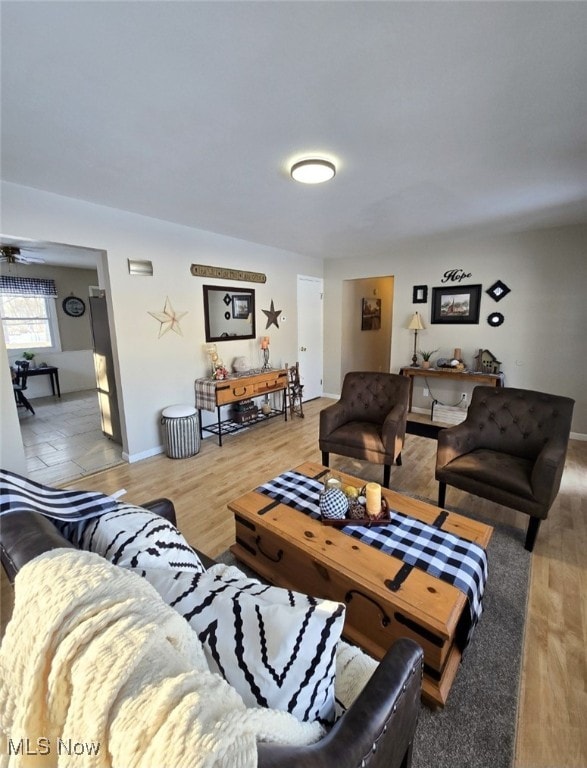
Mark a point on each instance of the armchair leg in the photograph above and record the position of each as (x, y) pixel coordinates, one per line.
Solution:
(398, 461)
(441, 494)
(531, 533)
(386, 475)
(325, 458)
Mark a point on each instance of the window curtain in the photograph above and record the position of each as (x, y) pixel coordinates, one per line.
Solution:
(27, 286)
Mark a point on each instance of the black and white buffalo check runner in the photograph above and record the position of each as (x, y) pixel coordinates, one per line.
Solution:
(442, 555)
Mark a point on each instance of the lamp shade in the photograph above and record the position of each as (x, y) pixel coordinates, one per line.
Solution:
(415, 323)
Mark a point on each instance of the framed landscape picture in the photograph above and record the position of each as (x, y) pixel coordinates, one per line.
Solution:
(456, 304)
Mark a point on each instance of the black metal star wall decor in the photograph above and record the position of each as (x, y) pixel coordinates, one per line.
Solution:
(272, 315)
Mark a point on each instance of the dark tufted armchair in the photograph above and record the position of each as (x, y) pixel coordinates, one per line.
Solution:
(369, 420)
(510, 449)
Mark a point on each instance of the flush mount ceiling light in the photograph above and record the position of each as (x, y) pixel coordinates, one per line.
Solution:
(314, 171)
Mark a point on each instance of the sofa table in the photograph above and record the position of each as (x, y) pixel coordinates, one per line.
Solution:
(488, 379)
(212, 394)
(385, 598)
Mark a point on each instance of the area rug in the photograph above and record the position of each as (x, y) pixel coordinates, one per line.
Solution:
(477, 727)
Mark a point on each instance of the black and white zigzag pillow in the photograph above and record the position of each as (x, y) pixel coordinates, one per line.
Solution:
(277, 648)
(133, 537)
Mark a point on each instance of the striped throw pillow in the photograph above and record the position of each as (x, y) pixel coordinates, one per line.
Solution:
(133, 537)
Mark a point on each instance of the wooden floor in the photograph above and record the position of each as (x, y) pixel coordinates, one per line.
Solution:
(552, 725)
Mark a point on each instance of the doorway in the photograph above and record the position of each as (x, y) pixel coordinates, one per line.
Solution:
(366, 342)
(310, 293)
(64, 438)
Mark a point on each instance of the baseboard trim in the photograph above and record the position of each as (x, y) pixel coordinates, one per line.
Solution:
(133, 457)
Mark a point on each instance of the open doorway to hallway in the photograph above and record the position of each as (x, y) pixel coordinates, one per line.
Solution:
(367, 324)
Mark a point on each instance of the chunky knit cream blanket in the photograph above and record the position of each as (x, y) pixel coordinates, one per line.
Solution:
(95, 670)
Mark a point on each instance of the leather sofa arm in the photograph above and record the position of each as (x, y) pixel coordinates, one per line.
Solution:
(25, 535)
(376, 731)
(163, 507)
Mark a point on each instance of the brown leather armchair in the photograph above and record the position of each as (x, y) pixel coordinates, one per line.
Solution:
(510, 449)
(369, 420)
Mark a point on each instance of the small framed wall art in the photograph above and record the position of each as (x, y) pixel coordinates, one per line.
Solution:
(495, 319)
(371, 315)
(420, 294)
(498, 290)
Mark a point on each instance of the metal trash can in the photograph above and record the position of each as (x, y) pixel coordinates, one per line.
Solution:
(181, 431)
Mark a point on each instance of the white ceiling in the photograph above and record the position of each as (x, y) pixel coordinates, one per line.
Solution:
(442, 117)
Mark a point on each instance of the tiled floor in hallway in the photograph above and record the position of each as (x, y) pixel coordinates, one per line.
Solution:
(64, 439)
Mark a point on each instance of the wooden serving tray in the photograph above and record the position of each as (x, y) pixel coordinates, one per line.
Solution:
(384, 518)
(368, 522)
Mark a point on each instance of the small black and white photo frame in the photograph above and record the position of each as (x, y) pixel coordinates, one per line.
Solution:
(498, 290)
(420, 294)
(241, 306)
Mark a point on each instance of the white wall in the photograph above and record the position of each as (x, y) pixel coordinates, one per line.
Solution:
(11, 447)
(156, 372)
(542, 341)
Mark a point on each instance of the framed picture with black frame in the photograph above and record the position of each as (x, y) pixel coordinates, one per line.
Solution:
(420, 294)
(241, 307)
(456, 304)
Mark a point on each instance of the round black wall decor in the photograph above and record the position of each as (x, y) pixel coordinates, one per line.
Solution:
(73, 306)
(495, 319)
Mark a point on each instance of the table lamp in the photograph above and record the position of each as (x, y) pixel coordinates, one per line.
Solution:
(415, 325)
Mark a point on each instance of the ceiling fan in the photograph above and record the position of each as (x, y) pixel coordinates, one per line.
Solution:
(13, 255)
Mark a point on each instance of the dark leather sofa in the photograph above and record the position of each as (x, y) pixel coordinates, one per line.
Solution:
(378, 729)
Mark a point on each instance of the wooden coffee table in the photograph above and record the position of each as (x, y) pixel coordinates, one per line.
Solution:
(290, 549)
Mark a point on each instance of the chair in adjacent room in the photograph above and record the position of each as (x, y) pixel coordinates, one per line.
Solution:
(19, 384)
(510, 449)
(369, 420)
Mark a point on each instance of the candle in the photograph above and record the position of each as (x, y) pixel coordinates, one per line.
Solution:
(373, 494)
(457, 355)
(333, 482)
(265, 342)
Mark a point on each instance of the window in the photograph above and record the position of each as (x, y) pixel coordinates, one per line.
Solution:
(29, 319)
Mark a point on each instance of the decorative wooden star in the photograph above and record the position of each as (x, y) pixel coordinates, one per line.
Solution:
(272, 315)
(169, 319)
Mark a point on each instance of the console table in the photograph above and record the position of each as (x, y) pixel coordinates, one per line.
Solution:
(47, 370)
(212, 395)
(489, 379)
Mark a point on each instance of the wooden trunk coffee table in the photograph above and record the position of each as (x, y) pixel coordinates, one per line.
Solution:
(290, 549)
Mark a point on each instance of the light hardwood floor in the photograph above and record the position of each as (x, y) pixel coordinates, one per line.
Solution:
(552, 727)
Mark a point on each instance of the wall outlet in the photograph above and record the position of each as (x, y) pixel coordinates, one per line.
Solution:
(426, 392)
(463, 397)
